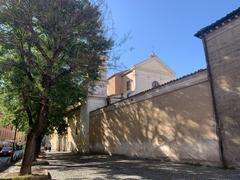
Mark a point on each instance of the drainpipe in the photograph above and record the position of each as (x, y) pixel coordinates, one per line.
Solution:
(218, 122)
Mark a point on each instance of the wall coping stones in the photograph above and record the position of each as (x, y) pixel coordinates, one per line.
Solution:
(183, 82)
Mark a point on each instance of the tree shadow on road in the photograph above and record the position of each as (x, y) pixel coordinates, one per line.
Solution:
(72, 166)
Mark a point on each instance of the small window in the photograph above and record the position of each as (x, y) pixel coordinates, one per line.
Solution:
(129, 85)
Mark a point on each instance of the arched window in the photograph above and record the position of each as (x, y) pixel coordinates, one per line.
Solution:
(155, 84)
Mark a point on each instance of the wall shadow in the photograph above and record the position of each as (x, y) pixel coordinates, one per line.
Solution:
(177, 126)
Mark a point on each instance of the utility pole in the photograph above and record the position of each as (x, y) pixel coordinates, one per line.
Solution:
(13, 146)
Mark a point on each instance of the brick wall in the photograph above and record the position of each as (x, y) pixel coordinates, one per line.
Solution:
(7, 133)
(223, 51)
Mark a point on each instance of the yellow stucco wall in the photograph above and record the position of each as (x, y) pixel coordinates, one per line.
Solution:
(128, 77)
(178, 125)
(114, 85)
(73, 140)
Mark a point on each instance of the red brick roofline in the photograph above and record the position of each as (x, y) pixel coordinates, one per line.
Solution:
(219, 23)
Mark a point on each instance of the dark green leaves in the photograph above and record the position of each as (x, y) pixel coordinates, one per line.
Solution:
(49, 48)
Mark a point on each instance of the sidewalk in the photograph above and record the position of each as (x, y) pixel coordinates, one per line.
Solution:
(15, 167)
(4, 163)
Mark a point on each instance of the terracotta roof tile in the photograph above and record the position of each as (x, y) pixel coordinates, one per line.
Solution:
(221, 22)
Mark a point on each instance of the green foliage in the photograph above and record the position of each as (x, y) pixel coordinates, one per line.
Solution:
(52, 49)
(12, 112)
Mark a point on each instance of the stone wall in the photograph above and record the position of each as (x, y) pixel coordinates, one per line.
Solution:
(73, 140)
(174, 121)
(223, 52)
(76, 138)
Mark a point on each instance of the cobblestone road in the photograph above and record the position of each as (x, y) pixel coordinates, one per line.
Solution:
(69, 166)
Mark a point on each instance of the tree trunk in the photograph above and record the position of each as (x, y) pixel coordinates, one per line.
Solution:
(28, 154)
(37, 130)
(38, 147)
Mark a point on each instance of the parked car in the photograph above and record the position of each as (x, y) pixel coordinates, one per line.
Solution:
(6, 151)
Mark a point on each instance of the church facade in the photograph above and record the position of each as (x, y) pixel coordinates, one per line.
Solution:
(145, 75)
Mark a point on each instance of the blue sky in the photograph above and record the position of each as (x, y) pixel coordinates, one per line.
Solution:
(166, 27)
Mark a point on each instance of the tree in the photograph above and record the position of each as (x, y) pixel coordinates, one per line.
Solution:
(50, 53)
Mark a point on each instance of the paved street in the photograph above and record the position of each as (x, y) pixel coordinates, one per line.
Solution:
(4, 161)
(69, 166)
